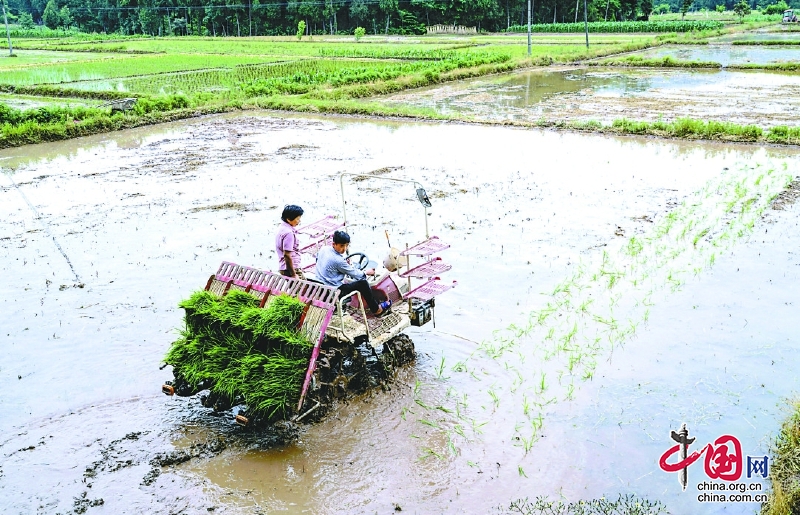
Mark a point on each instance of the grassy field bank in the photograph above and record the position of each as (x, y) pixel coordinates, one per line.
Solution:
(784, 470)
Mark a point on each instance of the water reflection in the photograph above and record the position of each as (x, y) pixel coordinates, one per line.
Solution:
(727, 55)
(606, 94)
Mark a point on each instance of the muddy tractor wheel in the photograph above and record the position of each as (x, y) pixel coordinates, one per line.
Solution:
(401, 348)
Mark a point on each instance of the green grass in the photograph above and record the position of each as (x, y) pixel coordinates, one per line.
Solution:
(776, 67)
(663, 62)
(784, 472)
(766, 42)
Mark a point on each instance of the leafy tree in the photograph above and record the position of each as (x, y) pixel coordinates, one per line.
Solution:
(389, 7)
(179, 26)
(685, 5)
(359, 11)
(647, 8)
(66, 17)
(301, 28)
(720, 8)
(777, 8)
(150, 21)
(629, 8)
(359, 33)
(26, 21)
(50, 16)
(741, 9)
(431, 7)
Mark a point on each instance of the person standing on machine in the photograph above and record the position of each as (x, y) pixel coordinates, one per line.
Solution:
(332, 268)
(286, 242)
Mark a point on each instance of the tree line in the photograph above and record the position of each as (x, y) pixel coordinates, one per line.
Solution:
(281, 17)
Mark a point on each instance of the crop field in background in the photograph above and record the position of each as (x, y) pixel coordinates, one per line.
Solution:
(257, 46)
(319, 74)
(122, 67)
(240, 67)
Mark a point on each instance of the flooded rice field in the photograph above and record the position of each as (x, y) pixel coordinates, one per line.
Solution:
(610, 289)
(35, 102)
(606, 94)
(788, 34)
(728, 54)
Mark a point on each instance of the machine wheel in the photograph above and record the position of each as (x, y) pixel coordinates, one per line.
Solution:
(401, 348)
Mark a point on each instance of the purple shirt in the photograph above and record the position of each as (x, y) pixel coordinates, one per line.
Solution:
(286, 241)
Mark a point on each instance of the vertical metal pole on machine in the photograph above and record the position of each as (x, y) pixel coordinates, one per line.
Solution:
(8, 33)
(586, 22)
(529, 28)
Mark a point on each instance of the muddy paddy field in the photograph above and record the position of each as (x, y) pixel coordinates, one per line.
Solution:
(603, 94)
(610, 289)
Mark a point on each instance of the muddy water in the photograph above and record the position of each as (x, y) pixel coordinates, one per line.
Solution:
(34, 102)
(143, 217)
(764, 99)
(728, 54)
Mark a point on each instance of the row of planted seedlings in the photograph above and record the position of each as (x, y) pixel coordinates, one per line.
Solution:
(593, 313)
(242, 353)
(303, 76)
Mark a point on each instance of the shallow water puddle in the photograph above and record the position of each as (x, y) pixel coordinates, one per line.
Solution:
(145, 216)
(728, 54)
(606, 94)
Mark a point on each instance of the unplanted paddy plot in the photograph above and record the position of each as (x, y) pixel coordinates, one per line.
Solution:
(34, 102)
(606, 94)
(790, 36)
(28, 58)
(691, 274)
(727, 54)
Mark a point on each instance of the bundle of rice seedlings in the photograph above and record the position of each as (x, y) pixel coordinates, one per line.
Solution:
(272, 383)
(242, 351)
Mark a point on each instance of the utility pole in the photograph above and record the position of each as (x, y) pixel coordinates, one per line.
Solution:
(586, 22)
(11, 49)
(529, 28)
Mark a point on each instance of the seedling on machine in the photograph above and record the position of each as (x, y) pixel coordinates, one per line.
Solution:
(275, 348)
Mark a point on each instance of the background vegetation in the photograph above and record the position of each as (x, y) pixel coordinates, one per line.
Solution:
(282, 17)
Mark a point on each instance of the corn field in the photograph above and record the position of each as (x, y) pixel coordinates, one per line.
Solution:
(622, 26)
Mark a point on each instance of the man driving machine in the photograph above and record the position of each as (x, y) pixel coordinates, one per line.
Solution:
(332, 268)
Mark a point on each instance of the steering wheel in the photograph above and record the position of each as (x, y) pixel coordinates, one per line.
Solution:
(363, 260)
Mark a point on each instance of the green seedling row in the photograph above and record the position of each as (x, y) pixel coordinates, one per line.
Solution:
(599, 309)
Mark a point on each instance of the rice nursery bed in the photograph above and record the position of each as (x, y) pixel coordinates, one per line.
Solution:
(242, 353)
(122, 67)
